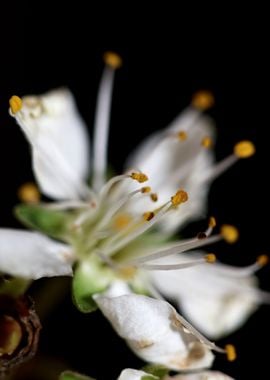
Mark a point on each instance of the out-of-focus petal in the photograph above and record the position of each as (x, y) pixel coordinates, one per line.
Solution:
(31, 255)
(216, 302)
(172, 164)
(60, 149)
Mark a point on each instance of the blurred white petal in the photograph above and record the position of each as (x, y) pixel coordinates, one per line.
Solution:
(154, 332)
(172, 164)
(59, 143)
(215, 302)
(32, 255)
(132, 374)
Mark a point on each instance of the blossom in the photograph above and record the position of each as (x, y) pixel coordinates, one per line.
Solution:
(121, 225)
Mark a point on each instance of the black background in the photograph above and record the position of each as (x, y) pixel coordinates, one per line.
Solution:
(43, 47)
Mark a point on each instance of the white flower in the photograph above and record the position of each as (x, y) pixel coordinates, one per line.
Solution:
(114, 221)
(218, 298)
(156, 332)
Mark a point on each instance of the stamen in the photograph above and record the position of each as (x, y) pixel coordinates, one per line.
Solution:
(115, 208)
(203, 100)
(102, 120)
(29, 193)
(231, 352)
(183, 322)
(210, 258)
(235, 272)
(121, 240)
(146, 189)
(147, 216)
(201, 236)
(110, 184)
(211, 225)
(207, 142)
(244, 149)
(229, 233)
(177, 248)
(180, 197)
(212, 222)
(140, 177)
(182, 135)
(166, 267)
(154, 197)
(112, 59)
(65, 205)
(15, 104)
(262, 260)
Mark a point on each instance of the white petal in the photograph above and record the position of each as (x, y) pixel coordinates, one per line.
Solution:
(59, 143)
(205, 375)
(32, 255)
(154, 332)
(132, 374)
(171, 164)
(217, 304)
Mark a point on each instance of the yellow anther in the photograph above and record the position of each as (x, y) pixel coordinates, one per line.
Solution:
(244, 149)
(212, 222)
(112, 59)
(146, 189)
(140, 177)
(210, 258)
(127, 272)
(154, 197)
(29, 193)
(203, 100)
(262, 260)
(121, 221)
(147, 216)
(15, 104)
(229, 233)
(180, 197)
(207, 142)
(231, 352)
(201, 236)
(182, 135)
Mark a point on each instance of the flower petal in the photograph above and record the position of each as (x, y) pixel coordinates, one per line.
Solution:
(171, 164)
(59, 143)
(32, 255)
(154, 332)
(214, 301)
(133, 374)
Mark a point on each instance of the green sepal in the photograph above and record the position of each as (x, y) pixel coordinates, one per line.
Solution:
(149, 377)
(90, 278)
(157, 370)
(54, 223)
(14, 287)
(69, 375)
